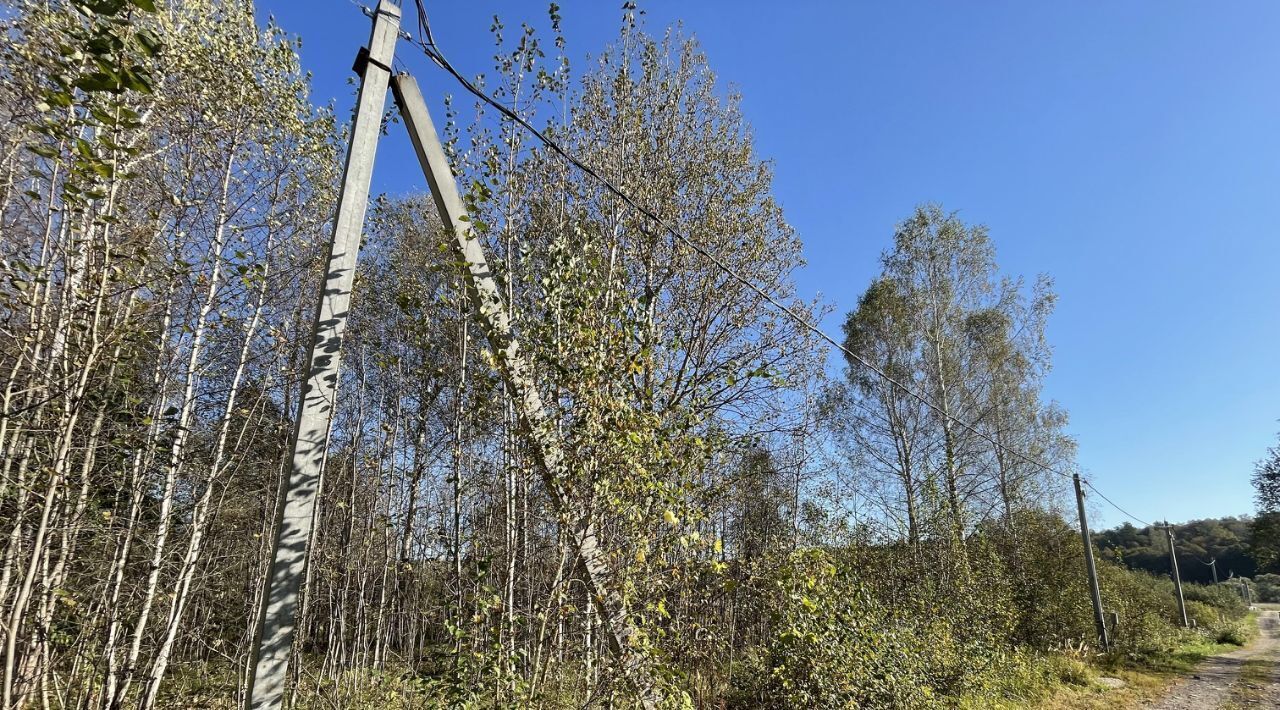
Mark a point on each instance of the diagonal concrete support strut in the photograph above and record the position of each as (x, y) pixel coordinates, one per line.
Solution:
(547, 449)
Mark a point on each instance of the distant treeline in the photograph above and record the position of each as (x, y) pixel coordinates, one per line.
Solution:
(1198, 543)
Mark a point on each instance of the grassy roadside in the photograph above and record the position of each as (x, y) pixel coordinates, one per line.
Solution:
(1144, 678)
(1059, 682)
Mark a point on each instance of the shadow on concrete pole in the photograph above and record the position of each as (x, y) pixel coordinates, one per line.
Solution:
(273, 646)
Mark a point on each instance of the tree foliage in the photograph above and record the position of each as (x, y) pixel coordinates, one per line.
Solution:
(1198, 542)
(777, 537)
(1265, 541)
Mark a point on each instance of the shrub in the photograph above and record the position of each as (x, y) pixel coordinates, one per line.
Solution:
(1147, 608)
(1069, 670)
(1222, 597)
(1051, 595)
(1219, 613)
(1204, 616)
(834, 646)
(1267, 587)
(1238, 632)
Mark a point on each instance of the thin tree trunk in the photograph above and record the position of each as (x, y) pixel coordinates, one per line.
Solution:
(200, 518)
(177, 448)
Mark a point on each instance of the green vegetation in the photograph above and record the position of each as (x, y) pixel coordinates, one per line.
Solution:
(1266, 529)
(1226, 540)
(777, 535)
(847, 639)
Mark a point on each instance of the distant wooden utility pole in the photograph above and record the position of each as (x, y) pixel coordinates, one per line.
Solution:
(1099, 618)
(274, 644)
(1213, 567)
(546, 446)
(1177, 578)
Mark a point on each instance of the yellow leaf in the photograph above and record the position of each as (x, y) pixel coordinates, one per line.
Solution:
(670, 518)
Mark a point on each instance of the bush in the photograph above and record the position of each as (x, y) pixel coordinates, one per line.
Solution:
(1238, 633)
(840, 641)
(1219, 613)
(1069, 670)
(1222, 597)
(999, 621)
(834, 646)
(1148, 610)
(1266, 587)
(1203, 616)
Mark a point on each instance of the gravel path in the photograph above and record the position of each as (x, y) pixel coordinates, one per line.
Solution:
(1211, 685)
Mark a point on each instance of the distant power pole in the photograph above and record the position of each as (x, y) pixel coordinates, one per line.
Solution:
(1098, 617)
(1177, 578)
(274, 643)
(1213, 567)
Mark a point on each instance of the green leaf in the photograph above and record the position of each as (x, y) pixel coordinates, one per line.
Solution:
(98, 81)
(105, 7)
(136, 79)
(148, 42)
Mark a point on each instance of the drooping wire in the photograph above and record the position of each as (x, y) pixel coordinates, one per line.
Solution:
(1113, 504)
(432, 50)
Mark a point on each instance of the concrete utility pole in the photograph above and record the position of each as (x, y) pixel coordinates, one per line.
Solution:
(319, 388)
(1177, 578)
(546, 446)
(1099, 619)
(1213, 567)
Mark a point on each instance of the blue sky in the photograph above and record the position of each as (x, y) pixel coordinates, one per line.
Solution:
(1131, 150)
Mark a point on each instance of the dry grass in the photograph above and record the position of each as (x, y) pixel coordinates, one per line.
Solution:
(1139, 686)
(1141, 682)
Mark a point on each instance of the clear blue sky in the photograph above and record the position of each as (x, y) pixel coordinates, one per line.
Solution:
(1131, 150)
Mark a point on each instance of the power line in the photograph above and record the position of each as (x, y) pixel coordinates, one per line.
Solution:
(1117, 507)
(432, 50)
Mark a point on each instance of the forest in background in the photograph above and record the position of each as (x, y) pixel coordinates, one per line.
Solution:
(780, 532)
(1229, 541)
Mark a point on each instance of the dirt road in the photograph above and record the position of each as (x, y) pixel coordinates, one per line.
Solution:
(1221, 681)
